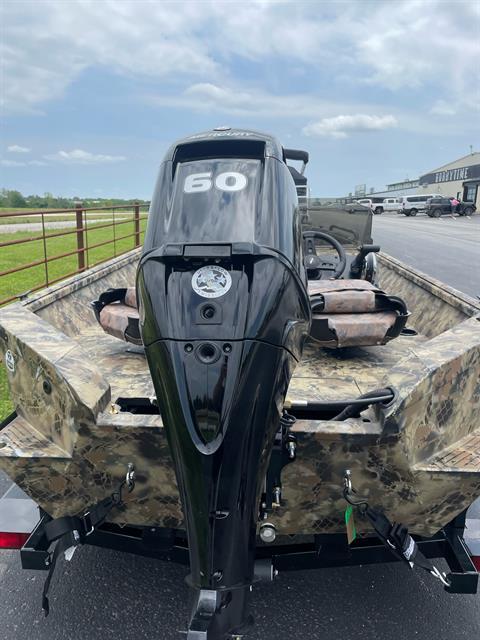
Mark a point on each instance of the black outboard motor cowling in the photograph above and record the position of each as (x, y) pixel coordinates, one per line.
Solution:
(224, 313)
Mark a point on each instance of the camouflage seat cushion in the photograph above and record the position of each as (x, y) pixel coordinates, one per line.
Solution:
(119, 318)
(346, 313)
(354, 313)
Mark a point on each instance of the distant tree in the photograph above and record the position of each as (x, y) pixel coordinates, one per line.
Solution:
(35, 202)
(15, 200)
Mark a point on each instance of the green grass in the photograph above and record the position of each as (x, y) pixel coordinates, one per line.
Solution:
(6, 406)
(34, 277)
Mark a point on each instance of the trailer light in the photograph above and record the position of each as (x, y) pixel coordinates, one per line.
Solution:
(12, 540)
(476, 562)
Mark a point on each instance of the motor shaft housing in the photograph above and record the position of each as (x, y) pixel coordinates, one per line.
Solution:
(224, 313)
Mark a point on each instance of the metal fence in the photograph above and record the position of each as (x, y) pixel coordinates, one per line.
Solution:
(85, 236)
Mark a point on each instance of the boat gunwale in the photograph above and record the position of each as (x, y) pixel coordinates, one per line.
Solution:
(455, 298)
(49, 295)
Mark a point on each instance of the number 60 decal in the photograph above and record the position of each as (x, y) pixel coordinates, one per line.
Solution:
(227, 181)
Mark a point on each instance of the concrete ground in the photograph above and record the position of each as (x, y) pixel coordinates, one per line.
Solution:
(18, 227)
(105, 595)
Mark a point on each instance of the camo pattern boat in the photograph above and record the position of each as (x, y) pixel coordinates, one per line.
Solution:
(419, 457)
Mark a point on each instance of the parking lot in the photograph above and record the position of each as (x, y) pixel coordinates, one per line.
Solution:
(447, 248)
(104, 595)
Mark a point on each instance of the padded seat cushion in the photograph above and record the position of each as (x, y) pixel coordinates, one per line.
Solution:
(115, 319)
(345, 313)
(343, 296)
(353, 329)
(131, 297)
(349, 313)
(116, 311)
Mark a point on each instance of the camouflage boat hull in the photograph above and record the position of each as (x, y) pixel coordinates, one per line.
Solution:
(418, 458)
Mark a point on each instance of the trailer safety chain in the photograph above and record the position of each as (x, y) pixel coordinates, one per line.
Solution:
(70, 531)
(394, 536)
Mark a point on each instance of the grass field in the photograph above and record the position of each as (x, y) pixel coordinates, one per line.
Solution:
(6, 406)
(23, 281)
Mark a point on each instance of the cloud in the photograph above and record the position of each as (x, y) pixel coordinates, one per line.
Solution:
(16, 148)
(207, 97)
(393, 45)
(403, 45)
(12, 163)
(79, 156)
(443, 108)
(16, 163)
(340, 126)
(48, 45)
(259, 104)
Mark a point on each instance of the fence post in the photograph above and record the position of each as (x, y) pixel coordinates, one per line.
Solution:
(80, 237)
(137, 223)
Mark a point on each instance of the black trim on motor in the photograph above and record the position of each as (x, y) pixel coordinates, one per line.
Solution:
(296, 154)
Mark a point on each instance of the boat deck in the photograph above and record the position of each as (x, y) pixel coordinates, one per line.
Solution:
(323, 374)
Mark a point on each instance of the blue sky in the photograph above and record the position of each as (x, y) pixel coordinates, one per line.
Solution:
(93, 93)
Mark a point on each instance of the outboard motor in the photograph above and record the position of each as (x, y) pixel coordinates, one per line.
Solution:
(224, 313)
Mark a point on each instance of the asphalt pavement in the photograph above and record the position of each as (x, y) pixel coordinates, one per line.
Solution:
(447, 248)
(103, 595)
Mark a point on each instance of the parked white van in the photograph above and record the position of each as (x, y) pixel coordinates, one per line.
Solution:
(411, 205)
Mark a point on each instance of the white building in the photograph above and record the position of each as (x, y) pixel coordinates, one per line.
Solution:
(460, 178)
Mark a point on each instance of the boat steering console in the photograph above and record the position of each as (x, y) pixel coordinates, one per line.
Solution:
(362, 266)
(316, 264)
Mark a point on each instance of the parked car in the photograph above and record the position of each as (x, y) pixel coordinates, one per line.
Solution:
(391, 204)
(411, 205)
(375, 204)
(466, 209)
(440, 206)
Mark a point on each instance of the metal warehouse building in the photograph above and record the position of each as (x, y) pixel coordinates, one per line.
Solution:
(460, 178)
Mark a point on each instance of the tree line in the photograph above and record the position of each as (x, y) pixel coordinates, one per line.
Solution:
(12, 199)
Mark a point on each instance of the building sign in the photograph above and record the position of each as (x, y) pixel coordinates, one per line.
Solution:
(452, 175)
(360, 189)
(408, 184)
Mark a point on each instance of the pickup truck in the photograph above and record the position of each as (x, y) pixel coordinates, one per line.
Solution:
(391, 204)
(379, 205)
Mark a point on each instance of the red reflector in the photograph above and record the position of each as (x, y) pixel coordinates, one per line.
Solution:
(13, 540)
(476, 562)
